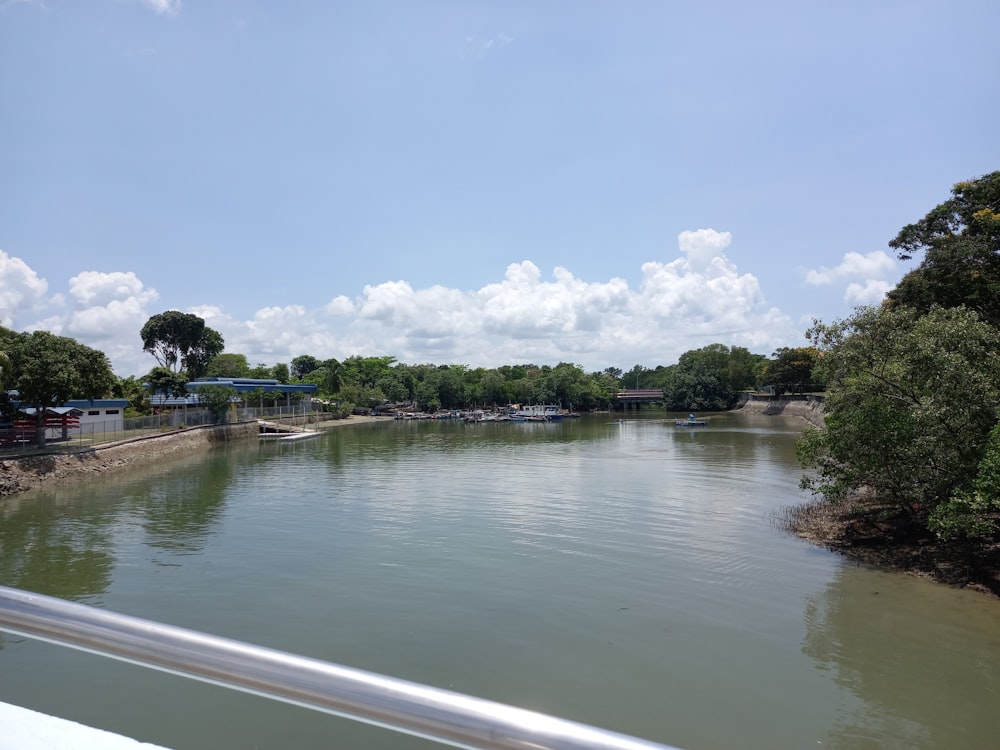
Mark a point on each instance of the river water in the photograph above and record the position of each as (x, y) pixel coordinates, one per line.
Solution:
(625, 574)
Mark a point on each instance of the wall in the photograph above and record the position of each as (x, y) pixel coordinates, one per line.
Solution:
(21, 474)
(808, 407)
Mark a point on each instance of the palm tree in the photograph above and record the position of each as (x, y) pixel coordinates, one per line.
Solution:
(334, 376)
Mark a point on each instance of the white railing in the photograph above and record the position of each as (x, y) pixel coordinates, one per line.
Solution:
(441, 715)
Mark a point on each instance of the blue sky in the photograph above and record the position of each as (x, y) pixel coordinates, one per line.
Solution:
(471, 182)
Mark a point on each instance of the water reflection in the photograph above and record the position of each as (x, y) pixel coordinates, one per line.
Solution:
(919, 657)
(180, 514)
(54, 549)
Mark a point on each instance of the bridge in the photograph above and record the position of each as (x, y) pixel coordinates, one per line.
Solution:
(634, 398)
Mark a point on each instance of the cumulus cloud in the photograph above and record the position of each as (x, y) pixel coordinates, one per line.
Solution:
(699, 297)
(872, 292)
(21, 289)
(870, 271)
(853, 266)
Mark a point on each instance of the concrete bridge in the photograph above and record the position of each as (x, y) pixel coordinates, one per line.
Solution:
(635, 398)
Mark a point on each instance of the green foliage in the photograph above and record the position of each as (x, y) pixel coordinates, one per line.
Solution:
(303, 365)
(280, 372)
(4, 368)
(166, 382)
(181, 341)
(708, 379)
(912, 400)
(228, 366)
(960, 240)
(973, 513)
(791, 370)
(48, 370)
(138, 397)
(216, 399)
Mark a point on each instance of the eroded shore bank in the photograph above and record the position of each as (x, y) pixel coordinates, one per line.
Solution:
(809, 408)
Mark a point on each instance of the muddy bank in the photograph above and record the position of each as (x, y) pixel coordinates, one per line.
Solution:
(809, 408)
(891, 544)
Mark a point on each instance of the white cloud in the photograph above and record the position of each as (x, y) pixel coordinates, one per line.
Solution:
(163, 7)
(21, 289)
(93, 288)
(853, 266)
(872, 292)
(870, 272)
(696, 299)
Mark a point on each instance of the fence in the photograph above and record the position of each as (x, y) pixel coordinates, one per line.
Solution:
(18, 438)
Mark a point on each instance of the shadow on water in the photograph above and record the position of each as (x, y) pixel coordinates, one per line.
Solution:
(909, 649)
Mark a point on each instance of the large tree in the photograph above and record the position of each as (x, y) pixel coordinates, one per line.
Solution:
(228, 366)
(303, 365)
(181, 341)
(791, 369)
(960, 243)
(49, 370)
(912, 403)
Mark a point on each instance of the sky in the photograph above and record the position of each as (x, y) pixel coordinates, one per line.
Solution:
(479, 183)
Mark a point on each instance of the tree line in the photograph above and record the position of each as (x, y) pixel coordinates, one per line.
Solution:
(46, 370)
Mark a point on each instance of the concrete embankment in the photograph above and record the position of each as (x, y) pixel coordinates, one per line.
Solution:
(808, 407)
(28, 472)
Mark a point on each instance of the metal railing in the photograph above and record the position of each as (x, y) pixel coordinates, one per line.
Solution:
(440, 715)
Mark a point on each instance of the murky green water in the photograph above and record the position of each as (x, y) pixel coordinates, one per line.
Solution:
(625, 575)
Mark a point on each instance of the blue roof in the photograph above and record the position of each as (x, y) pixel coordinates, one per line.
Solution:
(92, 403)
(242, 385)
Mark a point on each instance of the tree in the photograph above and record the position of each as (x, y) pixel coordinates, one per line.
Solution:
(973, 513)
(131, 388)
(207, 346)
(791, 369)
(216, 399)
(167, 383)
(280, 372)
(960, 242)
(912, 402)
(181, 341)
(4, 368)
(228, 366)
(333, 377)
(303, 365)
(49, 370)
(709, 378)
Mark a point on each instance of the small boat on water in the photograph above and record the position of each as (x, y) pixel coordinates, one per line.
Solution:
(537, 413)
(691, 421)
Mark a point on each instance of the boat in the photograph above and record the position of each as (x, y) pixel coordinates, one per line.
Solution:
(537, 413)
(691, 421)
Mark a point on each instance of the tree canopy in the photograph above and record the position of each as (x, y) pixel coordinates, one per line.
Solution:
(48, 370)
(914, 385)
(960, 243)
(181, 341)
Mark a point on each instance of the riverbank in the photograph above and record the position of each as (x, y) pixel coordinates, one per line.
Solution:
(878, 539)
(864, 535)
(20, 474)
(808, 407)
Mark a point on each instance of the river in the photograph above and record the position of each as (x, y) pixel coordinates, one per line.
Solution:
(626, 574)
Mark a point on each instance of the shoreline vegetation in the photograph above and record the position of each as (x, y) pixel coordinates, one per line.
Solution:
(881, 539)
(841, 528)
